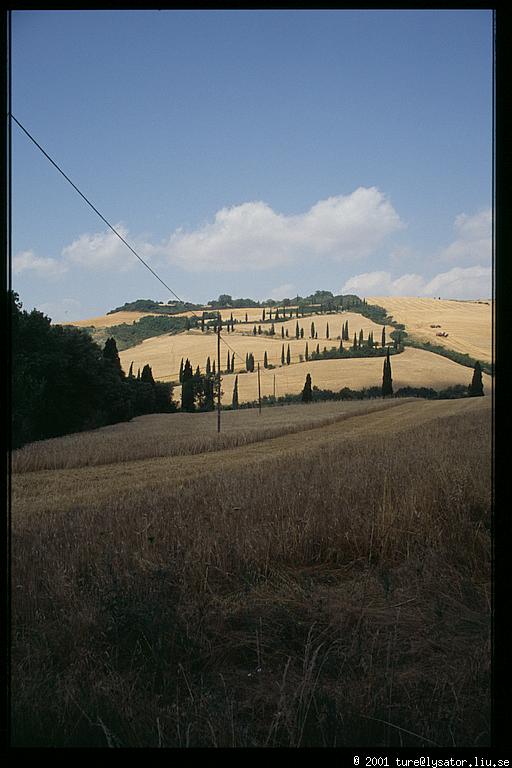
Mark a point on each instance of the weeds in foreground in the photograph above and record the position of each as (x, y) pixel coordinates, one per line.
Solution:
(339, 598)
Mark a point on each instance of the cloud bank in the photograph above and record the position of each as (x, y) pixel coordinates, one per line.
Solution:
(457, 283)
(253, 236)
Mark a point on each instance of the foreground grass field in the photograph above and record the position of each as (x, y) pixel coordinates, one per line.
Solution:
(326, 587)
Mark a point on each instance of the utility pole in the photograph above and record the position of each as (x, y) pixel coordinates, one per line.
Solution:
(218, 372)
(259, 388)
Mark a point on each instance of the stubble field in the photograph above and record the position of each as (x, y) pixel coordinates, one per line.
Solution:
(468, 323)
(323, 587)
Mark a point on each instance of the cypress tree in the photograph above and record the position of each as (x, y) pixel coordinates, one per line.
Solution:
(233, 363)
(263, 316)
(306, 352)
(297, 331)
(228, 364)
(286, 333)
(265, 360)
(387, 381)
(316, 334)
(361, 339)
(147, 375)
(307, 394)
(302, 333)
(282, 355)
(354, 345)
(181, 371)
(246, 318)
(318, 349)
(341, 345)
(259, 330)
(383, 341)
(251, 362)
(111, 354)
(272, 330)
(254, 331)
(476, 388)
(213, 368)
(130, 372)
(235, 394)
(288, 356)
(208, 367)
(327, 331)
(312, 330)
(138, 374)
(187, 388)
(246, 361)
(282, 332)
(202, 322)
(198, 372)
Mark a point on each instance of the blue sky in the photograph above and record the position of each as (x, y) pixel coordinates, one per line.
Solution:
(255, 153)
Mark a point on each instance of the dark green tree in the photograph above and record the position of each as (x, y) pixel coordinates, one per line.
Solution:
(306, 352)
(111, 354)
(235, 394)
(297, 330)
(327, 331)
(387, 381)
(147, 375)
(208, 368)
(383, 339)
(476, 388)
(307, 393)
(282, 331)
(181, 372)
(312, 330)
(282, 355)
(265, 360)
(130, 372)
(288, 356)
(187, 388)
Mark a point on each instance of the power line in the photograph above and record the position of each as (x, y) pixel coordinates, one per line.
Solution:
(114, 230)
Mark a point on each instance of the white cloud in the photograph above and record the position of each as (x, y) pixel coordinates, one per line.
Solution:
(253, 236)
(27, 261)
(473, 242)
(457, 283)
(101, 251)
(461, 283)
(287, 290)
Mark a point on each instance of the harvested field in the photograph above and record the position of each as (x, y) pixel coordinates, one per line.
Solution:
(411, 368)
(158, 435)
(324, 588)
(106, 321)
(468, 323)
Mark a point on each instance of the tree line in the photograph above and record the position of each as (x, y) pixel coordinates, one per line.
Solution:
(62, 381)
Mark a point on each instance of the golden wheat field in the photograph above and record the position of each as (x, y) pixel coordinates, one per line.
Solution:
(164, 353)
(319, 588)
(468, 323)
(107, 321)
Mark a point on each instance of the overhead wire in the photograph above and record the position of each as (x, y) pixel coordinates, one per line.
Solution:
(123, 240)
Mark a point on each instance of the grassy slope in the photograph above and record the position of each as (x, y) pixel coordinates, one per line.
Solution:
(468, 323)
(329, 587)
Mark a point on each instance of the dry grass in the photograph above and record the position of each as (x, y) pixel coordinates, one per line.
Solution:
(413, 367)
(333, 594)
(106, 321)
(468, 323)
(147, 437)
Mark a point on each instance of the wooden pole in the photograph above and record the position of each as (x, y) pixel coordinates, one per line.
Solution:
(259, 388)
(218, 373)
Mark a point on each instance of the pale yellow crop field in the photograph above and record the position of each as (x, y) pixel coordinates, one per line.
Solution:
(356, 322)
(107, 321)
(468, 323)
(413, 367)
(164, 353)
